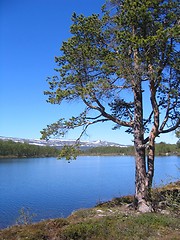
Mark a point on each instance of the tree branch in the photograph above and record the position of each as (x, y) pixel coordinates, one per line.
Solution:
(171, 128)
(88, 124)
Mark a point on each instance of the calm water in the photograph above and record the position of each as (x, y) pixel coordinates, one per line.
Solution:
(53, 188)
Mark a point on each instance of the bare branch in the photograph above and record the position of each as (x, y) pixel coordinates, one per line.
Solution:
(101, 109)
(88, 124)
(171, 128)
(148, 119)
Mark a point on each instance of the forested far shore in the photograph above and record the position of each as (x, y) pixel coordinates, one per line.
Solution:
(162, 149)
(23, 150)
(11, 149)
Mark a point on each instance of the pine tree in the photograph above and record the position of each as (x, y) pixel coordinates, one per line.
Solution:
(120, 65)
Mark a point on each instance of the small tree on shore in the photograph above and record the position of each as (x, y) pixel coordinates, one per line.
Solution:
(124, 68)
(178, 136)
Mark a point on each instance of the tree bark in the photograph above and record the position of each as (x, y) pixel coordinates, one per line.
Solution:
(152, 136)
(150, 163)
(141, 191)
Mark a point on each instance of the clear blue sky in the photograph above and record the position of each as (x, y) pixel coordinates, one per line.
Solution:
(31, 34)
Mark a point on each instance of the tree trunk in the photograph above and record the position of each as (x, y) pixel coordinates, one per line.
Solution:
(141, 192)
(150, 162)
(152, 136)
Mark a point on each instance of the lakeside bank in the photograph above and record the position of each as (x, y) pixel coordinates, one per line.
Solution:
(114, 219)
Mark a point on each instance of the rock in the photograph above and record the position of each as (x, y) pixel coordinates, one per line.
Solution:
(144, 207)
(99, 211)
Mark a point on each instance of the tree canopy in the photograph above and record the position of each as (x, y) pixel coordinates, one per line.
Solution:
(124, 67)
(137, 41)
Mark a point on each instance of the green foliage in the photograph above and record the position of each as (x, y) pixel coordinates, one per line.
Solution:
(178, 136)
(178, 132)
(118, 201)
(167, 149)
(167, 198)
(162, 149)
(39, 231)
(104, 66)
(69, 152)
(110, 151)
(113, 65)
(120, 226)
(14, 149)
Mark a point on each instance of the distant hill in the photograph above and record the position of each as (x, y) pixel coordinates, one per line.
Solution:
(14, 149)
(61, 142)
(33, 147)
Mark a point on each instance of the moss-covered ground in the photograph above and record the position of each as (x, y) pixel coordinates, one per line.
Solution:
(113, 220)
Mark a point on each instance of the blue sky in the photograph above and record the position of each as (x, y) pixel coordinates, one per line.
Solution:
(31, 33)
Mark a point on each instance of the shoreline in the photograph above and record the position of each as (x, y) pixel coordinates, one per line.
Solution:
(89, 155)
(104, 219)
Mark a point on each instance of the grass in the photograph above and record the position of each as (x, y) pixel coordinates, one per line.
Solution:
(118, 226)
(113, 220)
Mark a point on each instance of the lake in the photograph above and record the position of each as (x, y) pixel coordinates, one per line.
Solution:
(52, 188)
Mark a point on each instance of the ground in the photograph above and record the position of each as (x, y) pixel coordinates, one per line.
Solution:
(113, 220)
